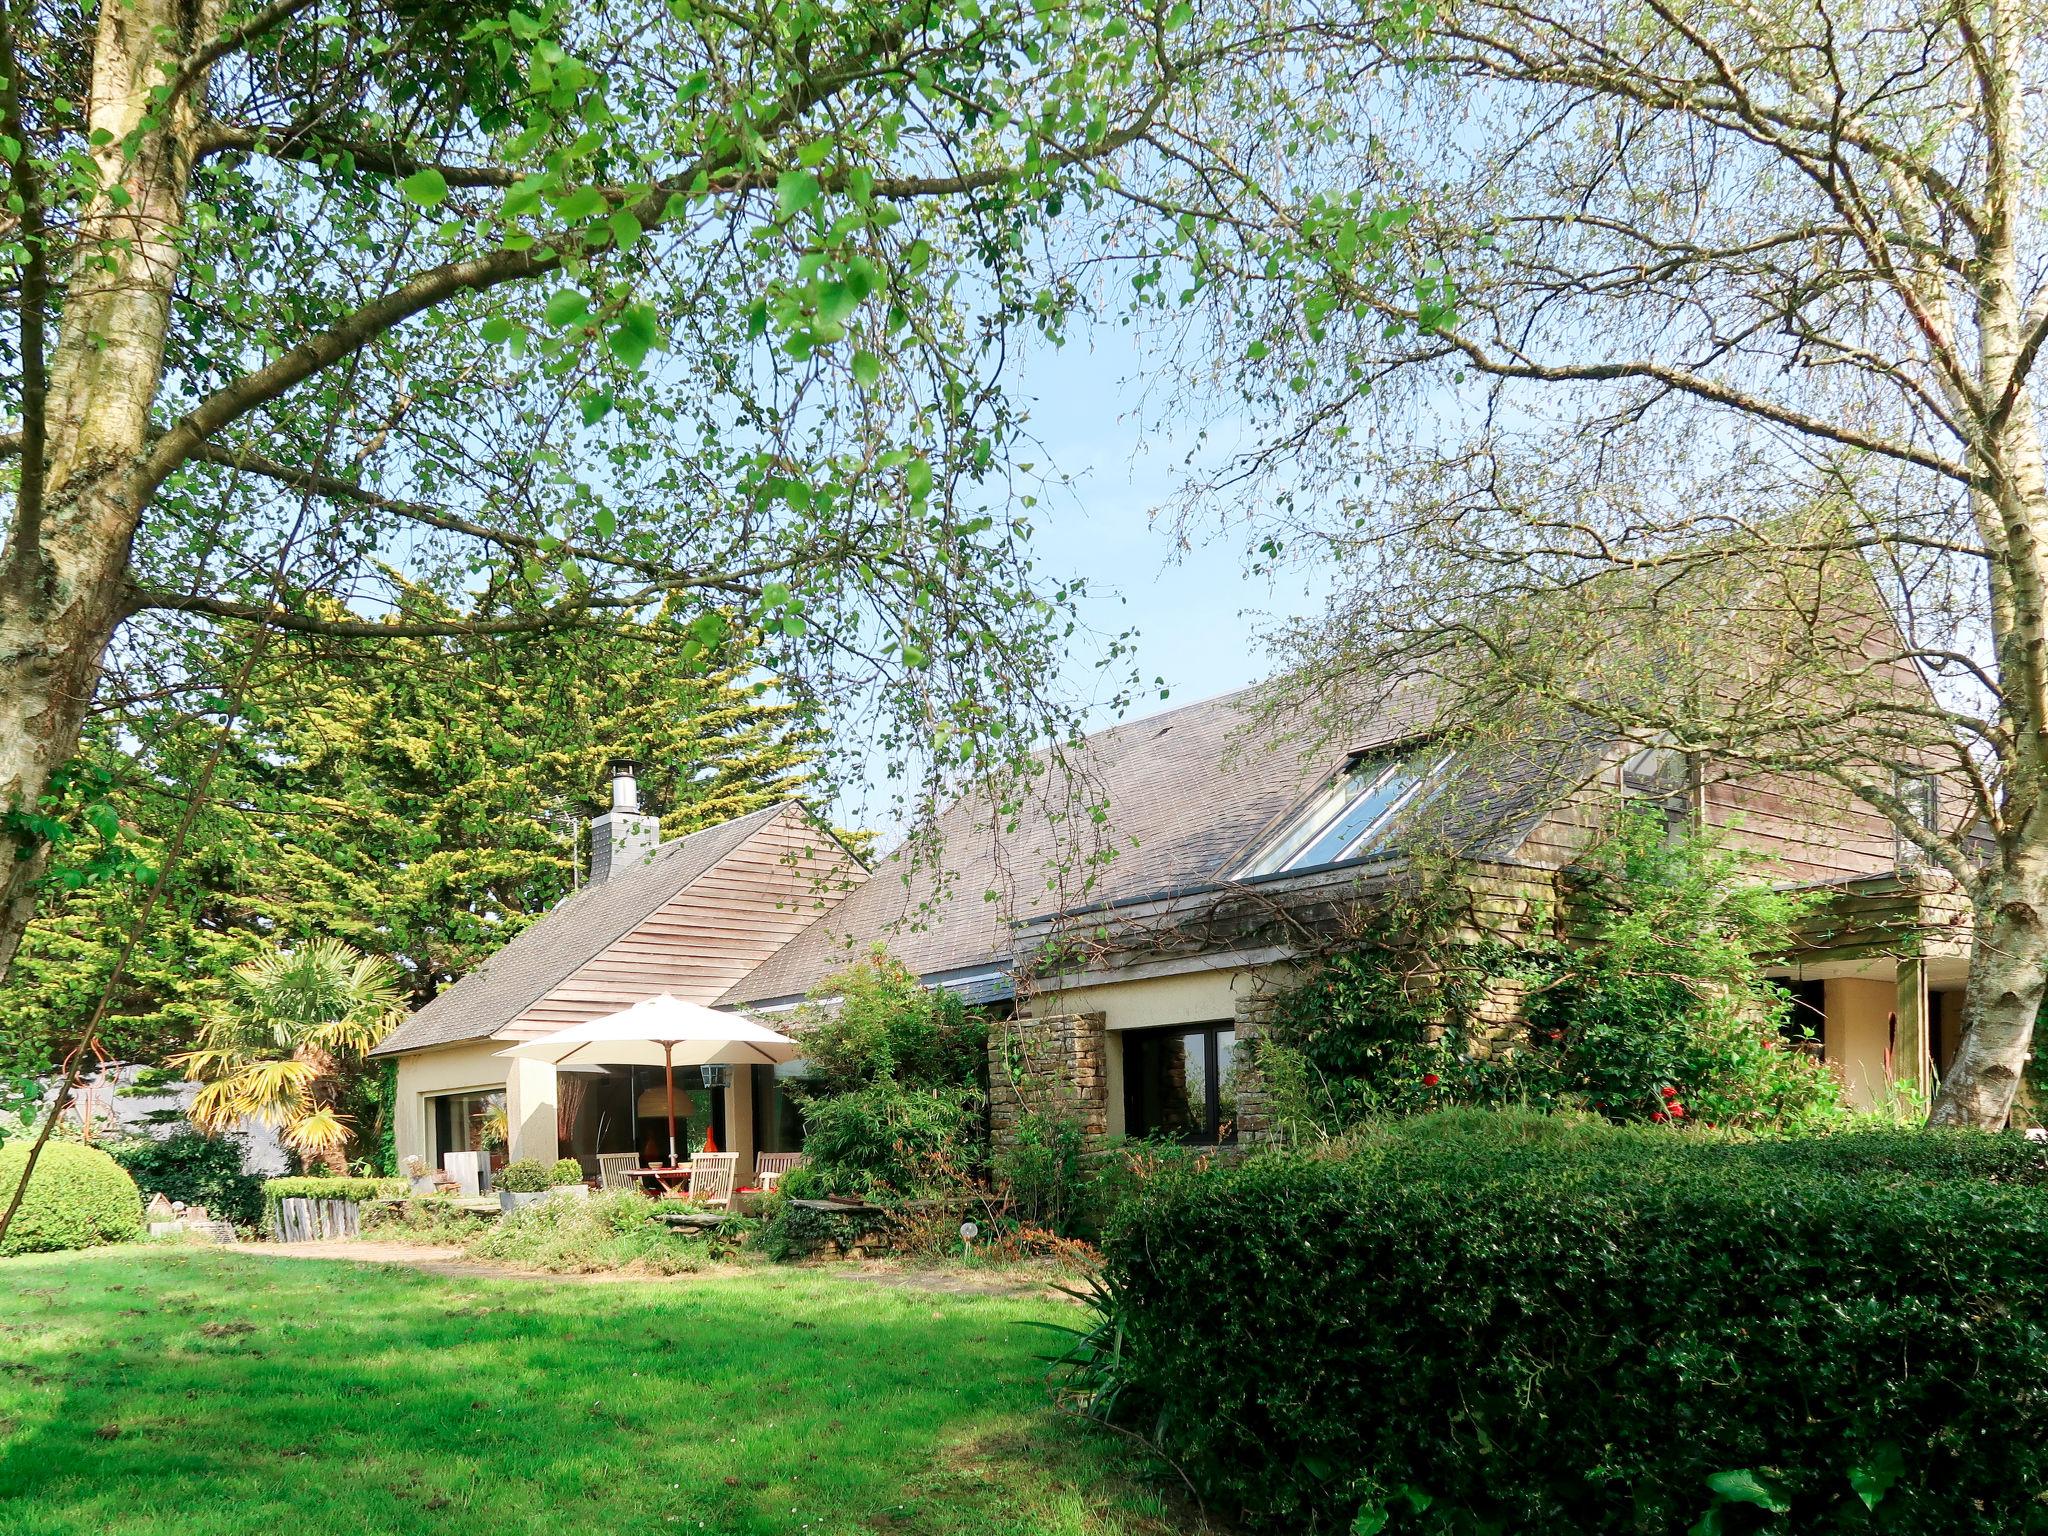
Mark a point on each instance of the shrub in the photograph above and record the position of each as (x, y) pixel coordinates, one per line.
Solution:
(803, 1182)
(565, 1171)
(790, 1232)
(435, 1220)
(78, 1197)
(886, 1141)
(610, 1231)
(897, 1103)
(1043, 1173)
(1657, 1008)
(882, 1023)
(1508, 1322)
(524, 1176)
(197, 1169)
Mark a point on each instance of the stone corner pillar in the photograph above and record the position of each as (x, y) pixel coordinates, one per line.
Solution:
(1055, 1064)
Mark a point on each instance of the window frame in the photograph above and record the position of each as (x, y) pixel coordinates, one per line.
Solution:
(1284, 849)
(1209, 1135)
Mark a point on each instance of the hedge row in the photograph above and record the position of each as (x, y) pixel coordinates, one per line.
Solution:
(1502, 1322)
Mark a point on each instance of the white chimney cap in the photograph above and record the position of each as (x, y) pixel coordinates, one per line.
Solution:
(625, 786)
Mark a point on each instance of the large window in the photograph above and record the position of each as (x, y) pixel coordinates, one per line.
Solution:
(778, 1114)
(625, 1109)
(468, 1122)
(1179, 1082)
(1356, 814)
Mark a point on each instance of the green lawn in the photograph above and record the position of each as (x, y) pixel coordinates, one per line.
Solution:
(154, 1390)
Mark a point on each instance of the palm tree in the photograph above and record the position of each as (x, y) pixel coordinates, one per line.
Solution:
(306, 1014)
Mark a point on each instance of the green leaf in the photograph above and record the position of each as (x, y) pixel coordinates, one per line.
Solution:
(497, 330)
(426, 187)
(566, 306)
(635, 335)
(867, 369)
(579, 205)
(1370, 1521)
(1742, 1485)
(596, 406)
(917, 478)
(605, 520)
(1874, 1478)
(626, 230)
(795, 190)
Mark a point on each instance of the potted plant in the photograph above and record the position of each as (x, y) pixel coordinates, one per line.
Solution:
(493, 1133)
(565, 1179)
(521, 1183)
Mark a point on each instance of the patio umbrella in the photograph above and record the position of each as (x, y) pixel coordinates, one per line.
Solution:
(665, 1029)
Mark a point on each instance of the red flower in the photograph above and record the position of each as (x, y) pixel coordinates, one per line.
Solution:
(1670, 1092)
(1430, 1079)
(1678, 1111)
(1659, 1115)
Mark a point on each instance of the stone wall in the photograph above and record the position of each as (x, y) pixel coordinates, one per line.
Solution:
(1254, 1111)
(1058, 1064)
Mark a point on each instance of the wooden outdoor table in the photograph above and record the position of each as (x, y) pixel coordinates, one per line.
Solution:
(673, 1181)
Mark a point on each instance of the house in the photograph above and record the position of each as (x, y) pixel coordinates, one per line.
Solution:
(690, 916)
(1129, 919)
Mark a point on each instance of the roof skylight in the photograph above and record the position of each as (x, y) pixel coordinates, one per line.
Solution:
(1356, 813)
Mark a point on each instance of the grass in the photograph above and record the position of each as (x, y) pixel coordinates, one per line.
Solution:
(146, 1391)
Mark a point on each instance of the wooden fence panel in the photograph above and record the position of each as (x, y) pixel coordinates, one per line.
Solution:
(305, 1221)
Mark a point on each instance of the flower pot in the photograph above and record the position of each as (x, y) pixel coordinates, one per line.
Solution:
(508, 1201)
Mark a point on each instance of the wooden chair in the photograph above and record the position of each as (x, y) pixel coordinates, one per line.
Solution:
(713, 1176)
(611, 1170)
(770, 1166)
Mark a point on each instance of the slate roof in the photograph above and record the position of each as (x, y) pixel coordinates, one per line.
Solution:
(578, 928)
(1187, 794)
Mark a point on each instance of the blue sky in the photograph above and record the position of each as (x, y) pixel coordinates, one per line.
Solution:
(1196, 610)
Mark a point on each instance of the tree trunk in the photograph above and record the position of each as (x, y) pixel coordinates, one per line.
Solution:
(63, 571)
(2008, 977)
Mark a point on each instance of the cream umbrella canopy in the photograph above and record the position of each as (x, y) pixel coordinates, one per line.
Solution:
(667, 1031)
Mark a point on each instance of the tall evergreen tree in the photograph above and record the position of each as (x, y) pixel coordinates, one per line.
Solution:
(417, 799)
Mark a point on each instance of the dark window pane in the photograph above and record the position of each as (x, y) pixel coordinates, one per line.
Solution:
(1176, 1083)
(1226, 1086)
(778, 1115)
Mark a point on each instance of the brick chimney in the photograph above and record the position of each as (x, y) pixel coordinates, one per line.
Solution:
(624, 836)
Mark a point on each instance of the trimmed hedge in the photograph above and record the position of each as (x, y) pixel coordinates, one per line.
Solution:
(78, 1197)
(1502, 1322)
(199, 1170)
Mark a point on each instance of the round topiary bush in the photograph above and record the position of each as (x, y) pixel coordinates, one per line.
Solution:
(78, 1197)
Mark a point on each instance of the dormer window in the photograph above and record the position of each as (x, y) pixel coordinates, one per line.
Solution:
(1921, 796)
(1356, 814)
(1663, 777)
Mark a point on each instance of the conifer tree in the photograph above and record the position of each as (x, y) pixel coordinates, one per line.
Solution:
(417, 799)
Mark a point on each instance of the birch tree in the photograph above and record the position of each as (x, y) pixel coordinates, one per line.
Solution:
(688, 313)
(1674, 362)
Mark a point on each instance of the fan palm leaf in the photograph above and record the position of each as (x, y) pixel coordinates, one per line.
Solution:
(318, 1131)
(302, 1014)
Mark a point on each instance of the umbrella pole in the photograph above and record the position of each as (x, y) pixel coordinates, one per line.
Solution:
(668, 1056)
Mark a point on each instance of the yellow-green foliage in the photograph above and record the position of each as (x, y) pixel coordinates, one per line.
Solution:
(78, 1197)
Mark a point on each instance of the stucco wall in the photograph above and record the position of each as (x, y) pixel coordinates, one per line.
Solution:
(468, 1068)
(1858, 1031)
